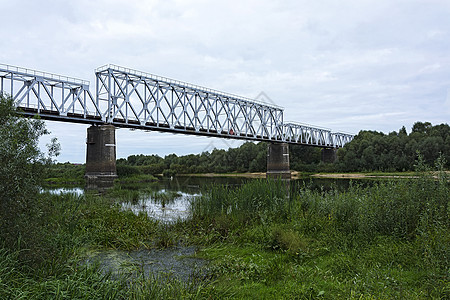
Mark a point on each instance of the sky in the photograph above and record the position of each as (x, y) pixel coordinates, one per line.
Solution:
(345, 65)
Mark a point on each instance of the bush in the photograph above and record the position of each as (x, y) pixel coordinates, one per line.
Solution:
(65, 173)
(21, 166)
(169, 173)
(126, 170)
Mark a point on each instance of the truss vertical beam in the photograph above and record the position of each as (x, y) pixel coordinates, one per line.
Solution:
(134, 99)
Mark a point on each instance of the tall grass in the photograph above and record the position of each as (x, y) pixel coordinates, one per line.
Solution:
(75, 224)
(399, 227)
(387, 240)
(255, 201)
(88, 282)
(403, 209)
(164, 198)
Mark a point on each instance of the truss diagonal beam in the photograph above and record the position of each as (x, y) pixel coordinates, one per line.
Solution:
(133, 99)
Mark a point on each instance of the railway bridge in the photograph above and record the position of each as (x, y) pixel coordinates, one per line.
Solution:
(129, 98)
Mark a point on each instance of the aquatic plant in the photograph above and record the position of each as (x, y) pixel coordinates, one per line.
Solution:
(164, 197)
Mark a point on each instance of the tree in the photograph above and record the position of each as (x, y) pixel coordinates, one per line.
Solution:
(371, 150)
(421, 127)
(21, 166)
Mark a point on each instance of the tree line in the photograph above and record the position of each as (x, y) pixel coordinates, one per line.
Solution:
(249, 157)
(396, 151)
(369, 151)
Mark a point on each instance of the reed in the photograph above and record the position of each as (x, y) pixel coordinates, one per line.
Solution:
(394, 232)
(256, 201)
(164, 197)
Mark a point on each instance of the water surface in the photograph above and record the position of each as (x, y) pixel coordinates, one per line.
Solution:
(174, 262)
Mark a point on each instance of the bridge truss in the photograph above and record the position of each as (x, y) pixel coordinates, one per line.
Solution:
(133, 99)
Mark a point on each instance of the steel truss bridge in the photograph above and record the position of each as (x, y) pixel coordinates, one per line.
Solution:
(133, 99)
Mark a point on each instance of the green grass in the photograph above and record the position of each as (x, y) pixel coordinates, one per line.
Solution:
(64, 181)
(88, 282)
(76, 225)
(64, 174)
(136, 179)
(389, 240)
(326, 274)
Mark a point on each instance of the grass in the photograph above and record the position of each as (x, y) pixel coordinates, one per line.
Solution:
(88, 282)
(64, 181)
(68, 174)
(387, 240)
(76, 225)
(164, 198)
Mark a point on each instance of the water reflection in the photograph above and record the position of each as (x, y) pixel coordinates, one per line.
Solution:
(99, 183)
(164, 205)
(65, 190)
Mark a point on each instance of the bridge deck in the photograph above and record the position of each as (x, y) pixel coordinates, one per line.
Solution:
(133, 99)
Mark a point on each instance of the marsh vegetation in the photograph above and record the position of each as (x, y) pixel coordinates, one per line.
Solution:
(389, 239)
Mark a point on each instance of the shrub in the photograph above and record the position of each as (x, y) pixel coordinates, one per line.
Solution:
(21, 166)
(126, 170)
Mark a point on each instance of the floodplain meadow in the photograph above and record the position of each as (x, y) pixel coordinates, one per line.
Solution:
(265, 239)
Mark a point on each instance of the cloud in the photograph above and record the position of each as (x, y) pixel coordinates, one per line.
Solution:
(346, 65)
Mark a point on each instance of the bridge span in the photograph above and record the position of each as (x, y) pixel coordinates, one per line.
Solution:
(133, 99)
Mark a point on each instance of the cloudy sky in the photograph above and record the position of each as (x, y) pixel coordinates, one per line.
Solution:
(346, 65)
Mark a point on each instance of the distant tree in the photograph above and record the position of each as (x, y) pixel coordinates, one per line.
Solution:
(304, 158)
(371, 150)
(402, 131)
(170, 159)
(421, 127)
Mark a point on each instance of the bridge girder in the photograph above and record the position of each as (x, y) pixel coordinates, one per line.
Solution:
(134, 99)
(155, 102)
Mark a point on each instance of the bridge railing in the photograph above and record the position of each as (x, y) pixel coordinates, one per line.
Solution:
(307, 134)
(313, 135)
(340, 139)
(130, 98)
(35, 73)
(179, 83)
(49, 95)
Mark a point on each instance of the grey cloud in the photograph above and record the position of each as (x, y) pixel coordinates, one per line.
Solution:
(347, 65)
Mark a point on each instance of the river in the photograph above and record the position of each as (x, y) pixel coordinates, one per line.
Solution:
(168, 199)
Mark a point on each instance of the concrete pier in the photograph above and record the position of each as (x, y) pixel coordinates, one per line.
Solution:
(329, 155)
(100, 156)
(278, 161)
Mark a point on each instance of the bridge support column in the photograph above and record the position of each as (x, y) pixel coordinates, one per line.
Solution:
(100, 156)
(329, 155)
(278, 161)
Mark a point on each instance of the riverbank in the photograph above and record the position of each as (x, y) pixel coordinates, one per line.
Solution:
(378, 175)
(365, 175)
(297, 175)
(245, 175)
(370, 242)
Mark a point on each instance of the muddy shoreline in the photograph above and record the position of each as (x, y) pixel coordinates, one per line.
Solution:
(296, 175)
